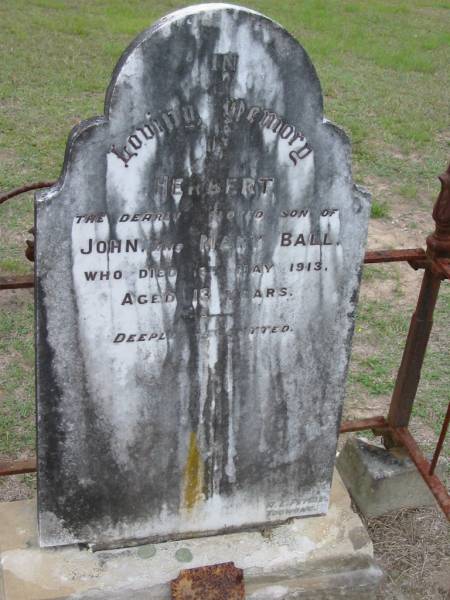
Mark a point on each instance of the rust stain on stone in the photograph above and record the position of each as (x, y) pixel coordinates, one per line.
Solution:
(193, 474)
(213, 582)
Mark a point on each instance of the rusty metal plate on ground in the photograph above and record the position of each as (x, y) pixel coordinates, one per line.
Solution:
(213, 582)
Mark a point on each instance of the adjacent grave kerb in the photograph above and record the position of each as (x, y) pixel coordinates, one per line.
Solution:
(197, 270)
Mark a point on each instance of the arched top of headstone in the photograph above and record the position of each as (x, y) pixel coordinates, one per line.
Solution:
(209, 25)
(169, 66)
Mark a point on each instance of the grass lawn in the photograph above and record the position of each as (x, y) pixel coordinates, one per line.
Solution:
(384, 68)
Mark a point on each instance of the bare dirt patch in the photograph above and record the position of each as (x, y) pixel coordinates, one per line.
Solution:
(11, 300)
(406, 227)
(17, 487)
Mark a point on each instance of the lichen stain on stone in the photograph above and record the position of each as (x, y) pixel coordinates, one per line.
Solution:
(193, 475)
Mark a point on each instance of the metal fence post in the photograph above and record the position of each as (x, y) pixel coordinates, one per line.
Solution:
(438, 246)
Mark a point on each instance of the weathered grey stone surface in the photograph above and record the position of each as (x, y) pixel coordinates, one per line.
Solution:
(197, 272)
(379, 480)
(314, 558)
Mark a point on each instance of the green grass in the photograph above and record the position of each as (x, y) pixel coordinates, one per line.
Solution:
(408, 191)
(376, 272)
(383, 327)
(17, 431)
(384, 70)
(434, 390)
(375, 374)
(379, 209)
(383, 66)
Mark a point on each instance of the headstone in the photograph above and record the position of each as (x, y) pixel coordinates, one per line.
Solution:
(197, 273)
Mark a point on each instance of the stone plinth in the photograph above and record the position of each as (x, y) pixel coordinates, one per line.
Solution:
(316, 557)
(381, 481)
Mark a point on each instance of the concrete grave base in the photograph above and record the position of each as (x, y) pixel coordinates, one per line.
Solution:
(379, 480)
(323, 557)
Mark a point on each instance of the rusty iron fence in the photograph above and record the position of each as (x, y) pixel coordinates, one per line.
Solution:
(435, 262)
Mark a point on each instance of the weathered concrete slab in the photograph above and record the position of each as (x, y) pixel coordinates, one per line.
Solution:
(197, 270)
(313, 558)
(380, 480)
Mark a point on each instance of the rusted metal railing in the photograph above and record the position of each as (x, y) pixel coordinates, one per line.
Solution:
(25, 188)
(435, 261)
(436, 265)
